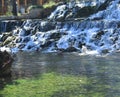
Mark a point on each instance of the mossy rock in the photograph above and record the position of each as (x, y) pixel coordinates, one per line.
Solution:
(34, 7)
(8, 40)
(5, 36)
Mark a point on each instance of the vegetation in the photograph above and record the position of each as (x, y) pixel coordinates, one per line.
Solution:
(53, 85)
(9, 12)
(33, 7)
(49, 4)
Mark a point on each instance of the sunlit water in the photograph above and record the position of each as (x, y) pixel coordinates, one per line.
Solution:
(102, 72)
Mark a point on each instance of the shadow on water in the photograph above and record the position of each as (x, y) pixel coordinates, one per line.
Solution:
(102, 73)
(4, 80)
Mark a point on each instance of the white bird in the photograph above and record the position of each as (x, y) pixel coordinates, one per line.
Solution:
(84, 49)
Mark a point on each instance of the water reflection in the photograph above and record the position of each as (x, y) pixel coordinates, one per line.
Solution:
(102, 73)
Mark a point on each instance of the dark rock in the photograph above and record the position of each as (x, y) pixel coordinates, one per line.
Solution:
(55, 35)
(47, 11)
(104, 5)
(99, 34)
(85, 11)
(20, 46)
(5, 63)
(47, 44)
(47, 26)
(118, 24)
(27, 32)
(70, 49)
(105, 51)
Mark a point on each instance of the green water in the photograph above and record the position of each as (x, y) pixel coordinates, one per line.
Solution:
(63, 75)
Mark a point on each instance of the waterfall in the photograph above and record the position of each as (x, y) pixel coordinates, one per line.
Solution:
(3, 27)
(98, 34)
(7, 26)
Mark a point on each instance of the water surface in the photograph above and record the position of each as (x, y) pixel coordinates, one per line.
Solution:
(102, 73)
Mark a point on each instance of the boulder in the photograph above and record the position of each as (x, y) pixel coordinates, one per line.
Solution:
(5, 63)
(85, 11)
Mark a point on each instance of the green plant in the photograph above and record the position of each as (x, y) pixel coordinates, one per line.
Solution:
(34, 7)
(9, 12)
(49, 4)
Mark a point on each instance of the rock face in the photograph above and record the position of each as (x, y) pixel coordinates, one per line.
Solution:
(5, 63)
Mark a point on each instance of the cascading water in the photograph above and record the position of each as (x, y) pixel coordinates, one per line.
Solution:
(99, 33)
(7, 26)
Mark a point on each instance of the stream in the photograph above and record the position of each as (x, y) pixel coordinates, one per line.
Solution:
(102, 71)
(84, 48)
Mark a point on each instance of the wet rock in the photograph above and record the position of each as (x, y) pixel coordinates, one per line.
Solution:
(27, 32)
(59, 13)
(5, 63)
(26, 39)
(47, 43)
(70, 49)
(104, 5)
(85, 11)
(70, 11)
(5, 36)
(99, 34)
(8, 40)
(18, 39)
(118, 25)
(47, 11)
(105, 51)
(47, 26)
(55, 36)
(21, 46)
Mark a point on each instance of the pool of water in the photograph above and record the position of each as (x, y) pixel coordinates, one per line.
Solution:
(103, 72)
